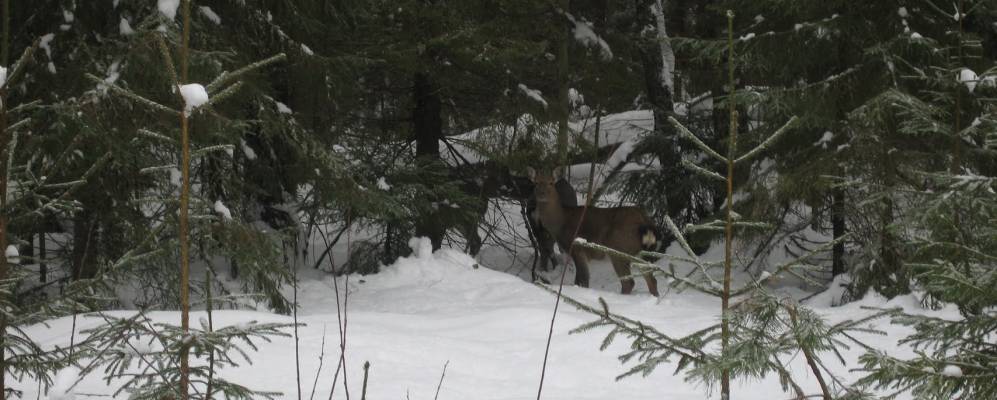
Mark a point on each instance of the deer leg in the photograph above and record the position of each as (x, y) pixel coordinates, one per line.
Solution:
(622, 268)
(581, 268)
(473, 239)
(652, 284)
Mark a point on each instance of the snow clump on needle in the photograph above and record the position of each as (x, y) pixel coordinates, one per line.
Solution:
(194, 96)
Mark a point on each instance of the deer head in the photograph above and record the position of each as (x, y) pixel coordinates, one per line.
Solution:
(544, 190)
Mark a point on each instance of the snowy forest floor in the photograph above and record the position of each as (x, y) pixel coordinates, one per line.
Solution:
(490, 328)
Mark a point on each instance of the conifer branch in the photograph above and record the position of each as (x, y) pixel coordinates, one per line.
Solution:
(680, 237)
(695, 140)
(18, 69)
(156, 135)
(644, 265)
(164, 51)
(24, 106)
(225, 93)
(132, 95)
(768, 142)
(787, 266)
(18, 124)
(64, 196)
(702, 171)
(718, 225)
(211, 149)
(226, 77)
(807, 351)
(634, 328)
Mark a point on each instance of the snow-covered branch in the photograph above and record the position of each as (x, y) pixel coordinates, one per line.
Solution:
(768, 142)
(695, 140)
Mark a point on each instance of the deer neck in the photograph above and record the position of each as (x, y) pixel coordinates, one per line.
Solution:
(551, 214)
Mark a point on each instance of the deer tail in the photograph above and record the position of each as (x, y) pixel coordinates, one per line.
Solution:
(650, 238)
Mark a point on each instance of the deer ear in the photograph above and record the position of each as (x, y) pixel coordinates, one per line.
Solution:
(531, 173)
(558, 172)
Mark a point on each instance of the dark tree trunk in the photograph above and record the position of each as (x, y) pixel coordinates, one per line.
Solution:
(29, 249)
(84, 253)
(42, 266)
(889, 277)
(838, 228)
(428, 129)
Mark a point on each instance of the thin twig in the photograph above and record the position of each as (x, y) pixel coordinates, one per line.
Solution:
(294, 311)
(363, 391)
(321, 358)
(560, 288)
(437, 396)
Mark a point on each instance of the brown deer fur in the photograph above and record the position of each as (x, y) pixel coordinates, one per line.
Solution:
(625, 229)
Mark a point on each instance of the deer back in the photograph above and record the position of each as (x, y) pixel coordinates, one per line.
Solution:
(615, 227)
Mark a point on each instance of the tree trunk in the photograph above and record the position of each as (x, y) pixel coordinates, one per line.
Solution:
(42, 266)
(889, 278)
(838, 228)
(85, 239)
(428, 129)
(184, 384)
(563, 108)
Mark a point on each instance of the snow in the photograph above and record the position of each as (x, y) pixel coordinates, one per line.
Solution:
(46, 44)
(667, 73)
(824, 140)
(283, 108)
(585, 35)
(222, 210)
(210, 14)
(125, 28)
(383, 184)
(67, 16)
(902, 12)
(176, 177)
(613, 129)
(990, 80)
(13, 256)
(575, 98)
(952, 370)
(306, 50)
(916, 36)
(422, 249)
(194, 96)
(431, 308)
(534, 94)
(747, 36)
(3, 75)
(62, 388)
(968, 78)
(248, 151)
(168, 8)
(833, 295)
(113, 73)
(621, 127)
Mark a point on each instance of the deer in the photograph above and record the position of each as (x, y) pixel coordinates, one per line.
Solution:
(624, 229)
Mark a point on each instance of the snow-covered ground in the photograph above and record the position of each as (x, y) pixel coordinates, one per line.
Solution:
(488, 327)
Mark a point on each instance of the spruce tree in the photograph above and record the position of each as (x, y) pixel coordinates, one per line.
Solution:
(950, 252)
(758, 329)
